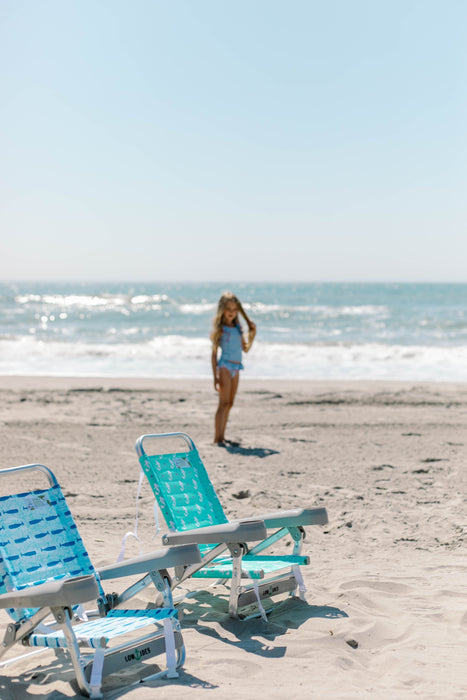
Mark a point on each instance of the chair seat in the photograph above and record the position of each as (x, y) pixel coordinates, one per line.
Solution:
(96, 633)
(254, 567)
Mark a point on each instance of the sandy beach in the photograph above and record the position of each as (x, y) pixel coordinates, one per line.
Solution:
(387, 598)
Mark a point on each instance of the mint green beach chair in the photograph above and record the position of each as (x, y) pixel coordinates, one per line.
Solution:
(46, 576)
(191, 509)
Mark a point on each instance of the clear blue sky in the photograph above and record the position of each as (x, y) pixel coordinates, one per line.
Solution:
(241, 140)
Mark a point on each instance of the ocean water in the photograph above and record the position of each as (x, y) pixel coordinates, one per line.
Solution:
(304, 331)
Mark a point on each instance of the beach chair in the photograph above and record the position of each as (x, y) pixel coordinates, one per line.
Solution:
(46, 576)
(190, 506)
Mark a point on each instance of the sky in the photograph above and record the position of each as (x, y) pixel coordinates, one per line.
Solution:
(250, 140)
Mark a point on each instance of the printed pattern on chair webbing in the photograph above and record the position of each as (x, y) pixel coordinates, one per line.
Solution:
(39, 542)
(187, 500)
(98, 632)
(255, 567)
(183, 490)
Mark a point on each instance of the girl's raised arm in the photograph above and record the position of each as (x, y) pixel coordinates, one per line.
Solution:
(246, 344)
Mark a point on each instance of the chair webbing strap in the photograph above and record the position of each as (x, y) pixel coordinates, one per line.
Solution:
(135, 532)
(260, 605)
(81, 613)
(95, 681)
(155, 508)
(301, 583)
(170, 648)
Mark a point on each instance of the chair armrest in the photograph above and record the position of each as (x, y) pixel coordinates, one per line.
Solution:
(299, 517)
(153, 561)
(53, 594)
(227, 533)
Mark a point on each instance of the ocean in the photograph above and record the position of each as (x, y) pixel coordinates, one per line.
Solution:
(304, 331)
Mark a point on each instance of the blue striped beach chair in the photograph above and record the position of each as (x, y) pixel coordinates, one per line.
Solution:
(190, 507)
(46, 575)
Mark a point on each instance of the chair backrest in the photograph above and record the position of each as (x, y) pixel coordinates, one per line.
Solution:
(39, 541)
(183, 490)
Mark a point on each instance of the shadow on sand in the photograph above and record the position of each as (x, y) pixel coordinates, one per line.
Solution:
(207, 615)
(236, 449)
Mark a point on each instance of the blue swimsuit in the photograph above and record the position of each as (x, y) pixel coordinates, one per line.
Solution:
(231, 347)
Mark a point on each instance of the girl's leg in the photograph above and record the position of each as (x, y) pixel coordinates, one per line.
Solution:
(233, 390)
(227, 389)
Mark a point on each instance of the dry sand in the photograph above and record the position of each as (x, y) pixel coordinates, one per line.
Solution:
(388, 575)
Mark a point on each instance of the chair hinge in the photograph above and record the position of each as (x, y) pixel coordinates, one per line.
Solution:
(11, 633)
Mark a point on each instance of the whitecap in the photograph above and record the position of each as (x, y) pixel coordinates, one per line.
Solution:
(197, 309)
(180, 356)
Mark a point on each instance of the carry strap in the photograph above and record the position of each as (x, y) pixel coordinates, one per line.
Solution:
(170, 648)
(135, 533)
(156, 517)
(81, 613)
(95, 681)
(301, 583)
(260, 605)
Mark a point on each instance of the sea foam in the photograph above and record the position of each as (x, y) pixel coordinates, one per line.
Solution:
(304, 331)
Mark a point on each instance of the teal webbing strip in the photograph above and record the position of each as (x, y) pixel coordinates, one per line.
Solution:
(183, 490)
(256, 567)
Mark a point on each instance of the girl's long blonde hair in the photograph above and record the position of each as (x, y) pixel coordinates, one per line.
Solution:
(217, 324)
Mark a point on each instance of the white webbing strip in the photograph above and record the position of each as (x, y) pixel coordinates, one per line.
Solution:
(260, 605)
(301, 583)
(95, 681)
(156, 517)
(170, 648)
(81, 613)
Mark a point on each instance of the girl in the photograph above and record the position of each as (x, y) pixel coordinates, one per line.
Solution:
(228, 335)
